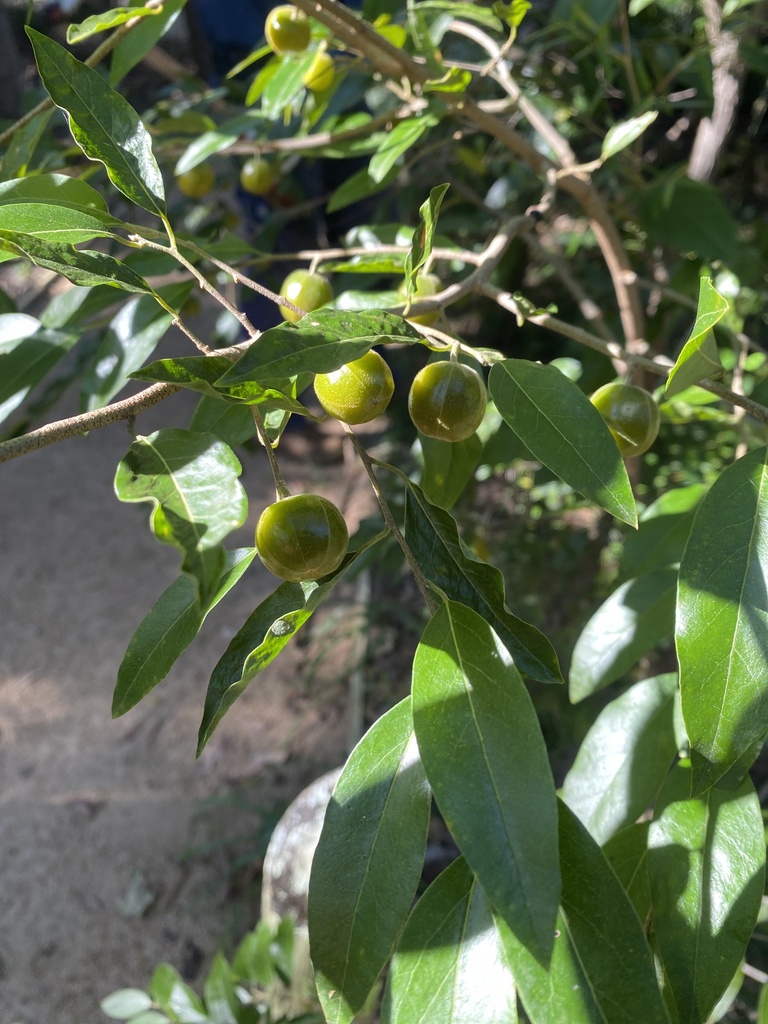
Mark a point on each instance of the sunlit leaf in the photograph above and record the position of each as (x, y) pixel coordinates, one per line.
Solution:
(105, 21)
(624, 758)
(700, 357)
(706, 865)
(722, 620)
(433, 536)
(367, 863)
(80, 266)
(624, 133)
(423, 236)
(635, 618)
(487, 763)
(564, 431)
(602, 969)
(102, 122)
(192, 482)
(449, 965)
(168, 629)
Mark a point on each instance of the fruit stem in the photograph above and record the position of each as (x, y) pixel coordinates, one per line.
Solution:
(281, 488)
(421, 580)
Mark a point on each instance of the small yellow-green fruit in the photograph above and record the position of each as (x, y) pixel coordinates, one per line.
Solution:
(357, 392)
(302, 537)
(631, 414)
(196, 182)
(307, 290)
(287, 30)
(427, 285)
(257, 176)
(321, 73)
(447, 401)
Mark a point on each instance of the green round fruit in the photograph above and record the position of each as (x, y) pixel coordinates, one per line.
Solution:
(287, 30)
(302, 538)
(447, 401)
(427, 285)
(196, 182)
(307, 290)
(257, 176)
(631, 414)
(321, 73)
(357, 392)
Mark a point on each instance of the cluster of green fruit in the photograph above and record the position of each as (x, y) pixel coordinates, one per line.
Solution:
(304, 537)
(288, 32)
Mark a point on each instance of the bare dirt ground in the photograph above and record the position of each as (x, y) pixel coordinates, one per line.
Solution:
(98, 818)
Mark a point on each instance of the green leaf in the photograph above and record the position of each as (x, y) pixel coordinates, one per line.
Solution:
(134, 47)
(215, 141)
(602, 969)
(358, 186)
(564, 431)
(627, 853)
(23, 144)
(80, 266)
(449, 965)
(265, 633)
(202, 374)
(54, 190)
(55, 223)
(487, 763)
(367, 863)
(448, 468)
(106, 21)
(169, 628)
(131, 337)
(635, 618)
(405, 134)
(423, 236)
(252, 961)
(177, 999)
(103, 124)
(624, 133)
(75, 306)
(624, 758)
(722, 620)
(700, 357)
(219, 992)
(125, 1003)
(706, 865)
(663, 531)
(433, 536)
(285, 85)
(28, 352)
(232, 424)
(192, 482)
(321, 342)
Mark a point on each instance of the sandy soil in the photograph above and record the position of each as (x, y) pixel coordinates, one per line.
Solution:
(96, 813)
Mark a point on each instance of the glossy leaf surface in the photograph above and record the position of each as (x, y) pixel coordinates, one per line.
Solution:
(399, 140)
(169, 628)
(627, 853)
(53, 190)
(722, 620)
(700, 357)
(424, 236)
(367, 863)
(602, 969)
(192, 482)
(321, 342)
(55, 223)
(80, 266)
(564, 431)
(706, 865)
(449, 966)
(131, 337)
(624, 758)
(624, 133)
(105, 21)
(486, 761)
(259, 641)
(136, 45)
(663, 531)
(433, 537)
(448, 467)
(28, 352)
(638, 615)
(102, 122)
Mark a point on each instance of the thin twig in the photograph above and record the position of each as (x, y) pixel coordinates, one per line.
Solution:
(418, 575)
(660, 365)
(281, 488)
